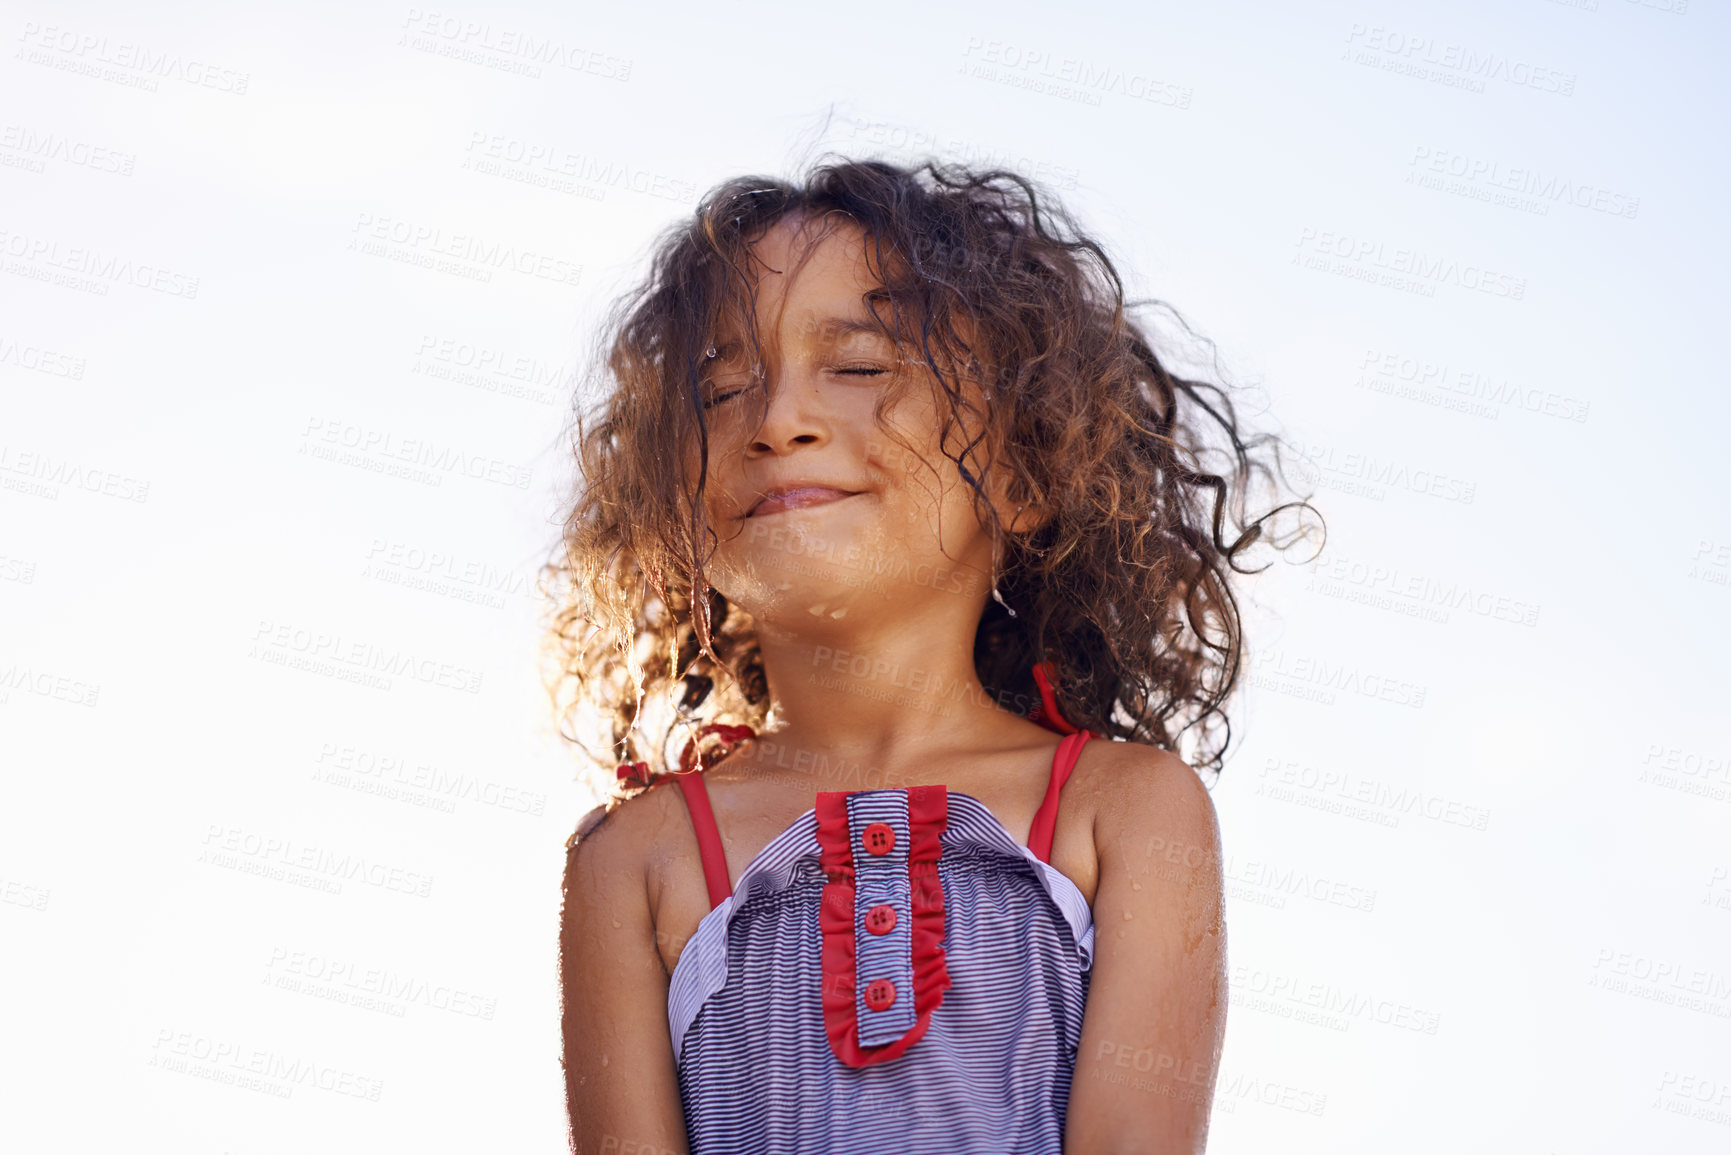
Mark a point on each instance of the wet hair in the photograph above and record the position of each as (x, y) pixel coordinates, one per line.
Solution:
(1126, 587)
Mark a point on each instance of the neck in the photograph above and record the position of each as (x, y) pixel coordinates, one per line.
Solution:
(879, 691)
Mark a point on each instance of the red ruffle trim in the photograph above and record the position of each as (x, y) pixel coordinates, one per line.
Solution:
(928, 815)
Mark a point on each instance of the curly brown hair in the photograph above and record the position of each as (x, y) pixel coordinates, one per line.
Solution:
(1124, 587)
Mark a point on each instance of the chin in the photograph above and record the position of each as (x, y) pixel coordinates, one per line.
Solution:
(802, 554)
(797, 593)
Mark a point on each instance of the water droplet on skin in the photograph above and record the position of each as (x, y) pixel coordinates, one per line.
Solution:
(816, 611)
(617, 924)
(838, 614)
(1120, 934)
(711, 352)
(605, 1060)
(1128, 916)
(1134, 885)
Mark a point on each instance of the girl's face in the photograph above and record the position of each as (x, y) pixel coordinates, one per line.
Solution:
(827, 518)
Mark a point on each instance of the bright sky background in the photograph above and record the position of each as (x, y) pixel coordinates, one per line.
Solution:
(1477, 816)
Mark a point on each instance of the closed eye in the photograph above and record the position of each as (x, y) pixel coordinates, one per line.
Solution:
(712, 402)
(849, 371)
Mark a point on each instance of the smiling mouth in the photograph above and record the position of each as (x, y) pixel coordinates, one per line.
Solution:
(802, 497)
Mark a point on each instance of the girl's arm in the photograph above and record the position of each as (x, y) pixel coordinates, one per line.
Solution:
(620, 1085)
(1151, 1035)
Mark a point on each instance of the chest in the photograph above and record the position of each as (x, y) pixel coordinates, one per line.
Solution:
(679, 897)
(894, 943)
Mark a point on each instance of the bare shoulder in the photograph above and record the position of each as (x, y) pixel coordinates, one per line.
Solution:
(1148, 800)
(618, 834)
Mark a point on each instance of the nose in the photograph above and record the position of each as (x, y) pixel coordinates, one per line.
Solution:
(793, 417)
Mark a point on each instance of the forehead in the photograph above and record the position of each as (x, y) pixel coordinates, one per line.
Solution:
(813, 271)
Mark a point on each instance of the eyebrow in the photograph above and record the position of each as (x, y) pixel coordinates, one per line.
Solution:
(829, 331)
(835, 328)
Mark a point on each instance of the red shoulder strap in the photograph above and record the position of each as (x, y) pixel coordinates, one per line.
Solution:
(708, 837)
(1046, 818)
(690, 779)
(1046, 713)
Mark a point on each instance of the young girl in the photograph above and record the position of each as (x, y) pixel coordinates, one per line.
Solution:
(894, 578)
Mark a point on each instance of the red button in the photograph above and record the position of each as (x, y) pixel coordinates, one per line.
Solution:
(879, 838)
(880, 994)
(881, 919)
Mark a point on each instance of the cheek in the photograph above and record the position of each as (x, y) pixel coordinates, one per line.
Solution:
(911, 450)
(928, 512)
(936, 504)
(725, 453)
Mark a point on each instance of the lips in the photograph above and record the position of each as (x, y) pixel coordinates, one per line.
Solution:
(781, 498)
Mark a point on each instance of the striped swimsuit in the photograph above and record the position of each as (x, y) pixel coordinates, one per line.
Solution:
(893, 973)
